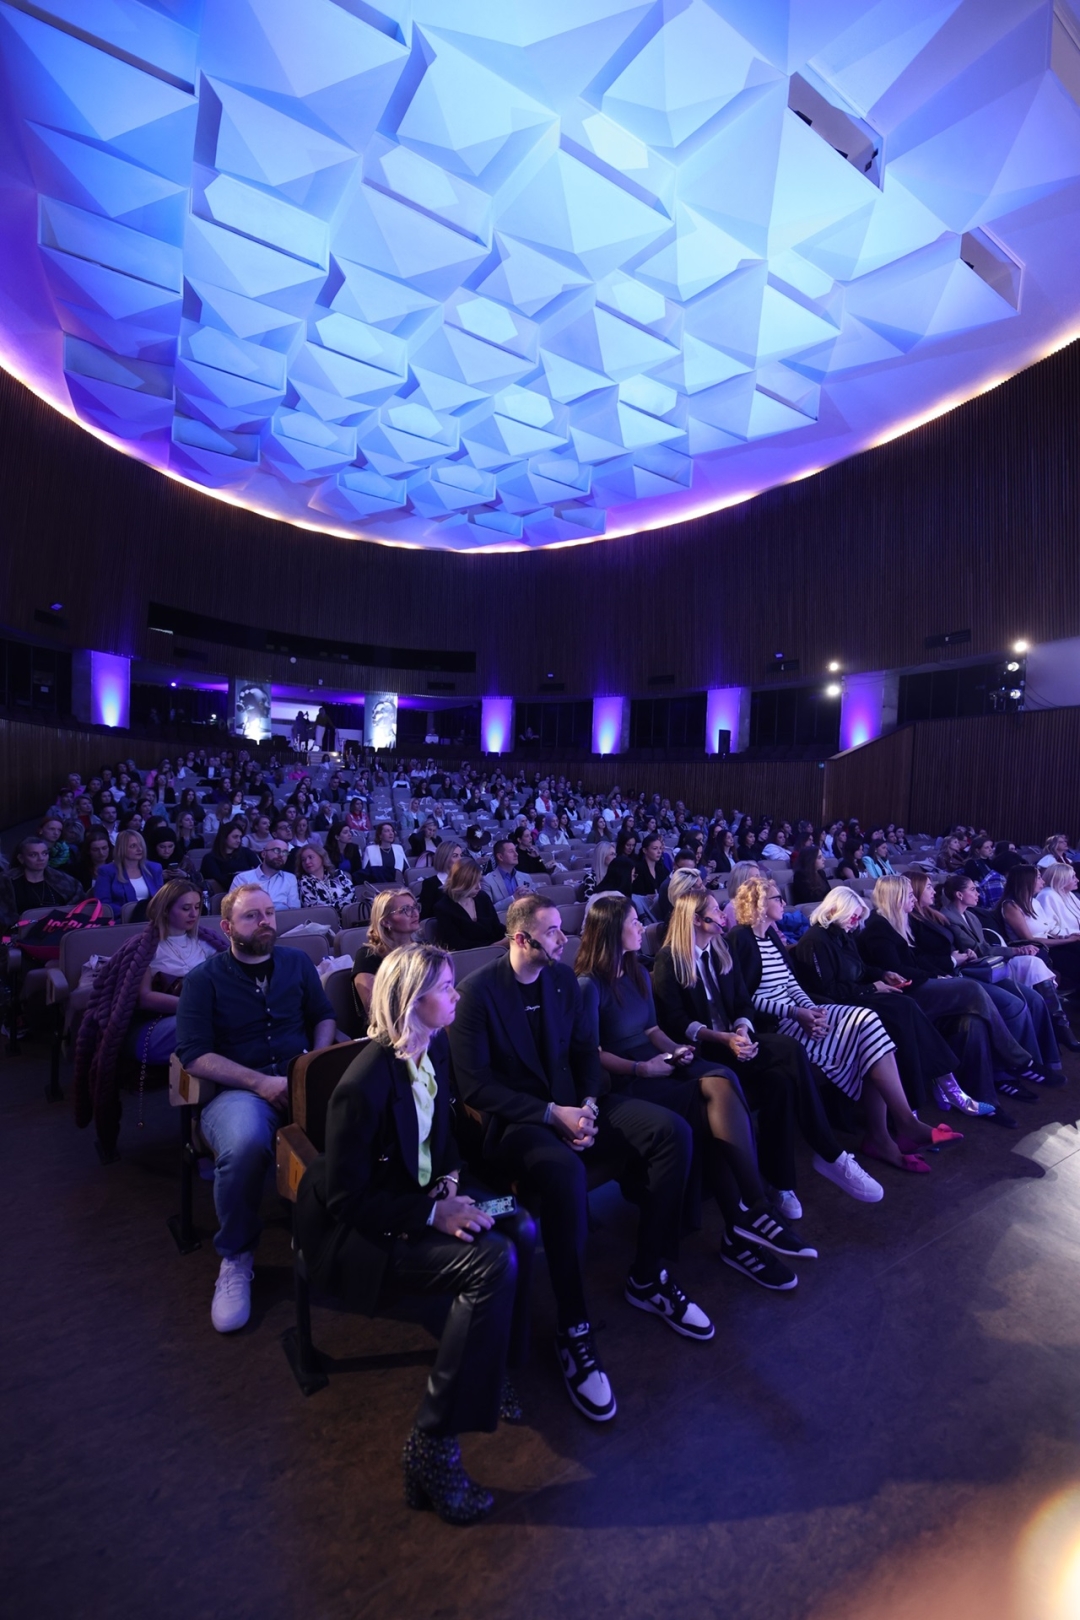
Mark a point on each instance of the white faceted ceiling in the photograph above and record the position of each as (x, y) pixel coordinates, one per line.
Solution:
(474, 275)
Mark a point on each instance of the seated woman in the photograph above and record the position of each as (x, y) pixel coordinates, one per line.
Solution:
(809, 882)
(424, 843)
(650, 871)
(384, 860)
(383, 1174)
(1058, 901)
(529, 860)
(188, 836)
(129, 875)
(319, 884)
(849, 1044)
(644, 1061)
(96, 852)
(464, 914)
(701, 997)
(1029, 1025)
(395, 921)
(877, 864)
(596, 882)
(986, 1052)
(850, 865)
(1023, 921)
(227, 856)
(620, 872)
(447, 853)
(740, 873)
(132, 1006)
(828, 965)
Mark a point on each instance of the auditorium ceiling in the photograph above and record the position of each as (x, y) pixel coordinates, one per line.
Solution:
(477, 274)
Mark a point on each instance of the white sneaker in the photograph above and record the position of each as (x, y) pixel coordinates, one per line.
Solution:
(848, 1174)
(786, 1202)
(232, 1293)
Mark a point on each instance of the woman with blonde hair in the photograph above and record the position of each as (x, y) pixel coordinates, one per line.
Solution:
(701, 996)
(1057, 900)
(385, 1211)
(318, 883)
(849, 1044)
(395, 922)
(829, 966)
(446, 854)
(980, 1037)
(603, 855)
(129, 875)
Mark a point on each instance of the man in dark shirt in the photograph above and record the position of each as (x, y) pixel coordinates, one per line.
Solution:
(526, 1058)
(242, 1017)
(32, 883)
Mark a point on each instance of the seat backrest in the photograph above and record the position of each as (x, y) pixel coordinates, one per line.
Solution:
(313, 1077)
(560, 894)
(350, 914)
(340, 995)
(77, 948)
(293, 917)
(427, 931)
(195, 858)
(349, 941)
(570, 950)
(572, 916)
(466, 962)
(312, 945)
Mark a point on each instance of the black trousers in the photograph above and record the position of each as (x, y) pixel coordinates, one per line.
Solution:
(487, 1326)
(779, 1085)
(646, 1143)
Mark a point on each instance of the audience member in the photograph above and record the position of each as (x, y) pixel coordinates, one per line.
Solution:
(809, 883)
(1025, 922)
(317, 882)
(271, 877)
(226, 858)
(129, 876)
(525, 1057)
(384, 859)
(505, 882)
(395, 921)
(381, 1176)
(241, 1019)
(464, 914)
(30, 883)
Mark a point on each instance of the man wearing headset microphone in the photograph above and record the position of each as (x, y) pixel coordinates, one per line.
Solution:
(526, 1058)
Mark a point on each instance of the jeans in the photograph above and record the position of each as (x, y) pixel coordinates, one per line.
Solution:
(153, 1042)
(239, 1129)
(1027, 1018)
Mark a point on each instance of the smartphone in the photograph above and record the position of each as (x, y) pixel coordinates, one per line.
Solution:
(497, 1207)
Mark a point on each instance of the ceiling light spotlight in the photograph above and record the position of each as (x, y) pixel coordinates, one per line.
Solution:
(1016, 693)
(1020, 647)
(834, 667)
(292, 660)
(56, 607)
(832, 690)
(1012, 667)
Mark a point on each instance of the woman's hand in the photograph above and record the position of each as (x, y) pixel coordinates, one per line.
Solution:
(460, 1218)
(812, 1020)
(739, 1044)
(656, 1068)
(896, 981)
(886, 989)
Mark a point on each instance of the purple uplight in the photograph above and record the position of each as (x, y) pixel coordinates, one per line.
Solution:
(607, 724)
(497, 725)
(110, 689)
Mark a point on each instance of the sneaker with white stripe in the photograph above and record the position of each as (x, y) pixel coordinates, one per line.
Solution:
(757, 1264)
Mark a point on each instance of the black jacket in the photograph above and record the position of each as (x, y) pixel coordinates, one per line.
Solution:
(363, 1191)
(829, 966)
(620, 875)
(890, 952)
(455, 929)
(679, 1005)
(742, 944)
(497, 1067)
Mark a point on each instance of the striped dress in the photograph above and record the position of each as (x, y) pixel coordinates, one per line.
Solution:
(853, 1040)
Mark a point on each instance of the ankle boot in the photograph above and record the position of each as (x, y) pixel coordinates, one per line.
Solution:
(1065, 1036)
(435, 1478)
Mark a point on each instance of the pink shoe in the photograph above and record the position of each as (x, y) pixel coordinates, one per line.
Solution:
(911, 1162)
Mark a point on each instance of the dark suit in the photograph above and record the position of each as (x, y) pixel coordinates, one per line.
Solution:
(778, 1082)
(456, 930)
(362, 1224)
(502, 1072)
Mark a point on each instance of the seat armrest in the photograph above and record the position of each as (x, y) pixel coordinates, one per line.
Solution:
(57, 988)
(294, 1152)
(186, 1090)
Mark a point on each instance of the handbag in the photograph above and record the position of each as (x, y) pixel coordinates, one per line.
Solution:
(42, 936)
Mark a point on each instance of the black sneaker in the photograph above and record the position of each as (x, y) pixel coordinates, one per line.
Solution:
(1050, 1078)
(1010, 1087)
(1006, 1121)
(757, 1264)
(666, 1299)
(759, 1225)
(586, 1381)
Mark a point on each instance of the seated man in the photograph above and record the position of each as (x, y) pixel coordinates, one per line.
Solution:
(31, 883)
(242, 1017)
(271, 876)
(526, 1058)
(684, 861)
(505, 882)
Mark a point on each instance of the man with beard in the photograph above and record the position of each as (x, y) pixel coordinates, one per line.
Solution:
(242, 1017)
(270, 874)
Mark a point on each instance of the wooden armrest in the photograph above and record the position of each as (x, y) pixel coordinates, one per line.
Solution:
(294, 1153)
(186, 1090)
(57, 988)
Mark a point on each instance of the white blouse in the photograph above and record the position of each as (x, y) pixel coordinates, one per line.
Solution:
(1060, 912)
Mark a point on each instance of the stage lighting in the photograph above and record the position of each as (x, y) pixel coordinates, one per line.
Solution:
(834, 667)
(1020, 647)
(832, 691)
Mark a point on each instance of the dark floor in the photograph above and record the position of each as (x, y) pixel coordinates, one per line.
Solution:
(871, 1445)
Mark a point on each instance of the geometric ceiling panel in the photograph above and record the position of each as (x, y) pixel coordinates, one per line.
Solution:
(485, 277)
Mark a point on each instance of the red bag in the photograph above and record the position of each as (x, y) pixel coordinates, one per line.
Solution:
(39, 937)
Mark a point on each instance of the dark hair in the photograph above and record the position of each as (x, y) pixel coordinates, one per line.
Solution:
(1020, 887)
(601, 955)
(955, 883)
(222, 835)
(624, 837)
(500, 843)
(521, 915)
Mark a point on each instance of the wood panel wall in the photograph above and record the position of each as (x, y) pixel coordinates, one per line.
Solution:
(35, 761)
(790, 789)
(872, 782)
(965, 523)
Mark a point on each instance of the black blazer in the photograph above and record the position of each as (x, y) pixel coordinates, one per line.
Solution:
(455, 929)
(742, 944)
(620, 875)
(362, 1192)
(829, 967)
(679, 1005)
(890, 952)
(497, 1067)
(430, 891)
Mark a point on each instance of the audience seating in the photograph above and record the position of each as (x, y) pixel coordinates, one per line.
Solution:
(340, 994)
(349, 941)
(66, 1001)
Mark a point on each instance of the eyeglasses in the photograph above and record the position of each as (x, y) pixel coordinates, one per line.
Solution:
(405, 911)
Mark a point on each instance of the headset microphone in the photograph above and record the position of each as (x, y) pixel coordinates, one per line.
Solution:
(536, 946)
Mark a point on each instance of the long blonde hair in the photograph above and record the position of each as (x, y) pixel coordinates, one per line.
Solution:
(406, 974)
(687, 910)
(890, 895)
(740, 873)
(127, 840)
(1054, 876)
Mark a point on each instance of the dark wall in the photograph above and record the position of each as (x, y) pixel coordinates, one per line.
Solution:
(968, 522)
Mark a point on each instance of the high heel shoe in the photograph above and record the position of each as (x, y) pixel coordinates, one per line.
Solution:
(948, 1093)
(435, 1478)
(938, 1135)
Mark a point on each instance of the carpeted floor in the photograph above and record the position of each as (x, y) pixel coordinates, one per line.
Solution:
(871, 1445)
